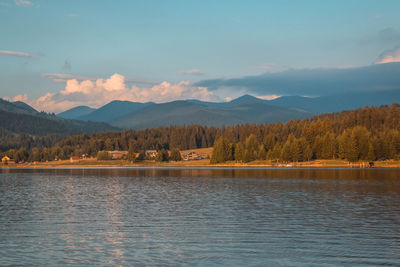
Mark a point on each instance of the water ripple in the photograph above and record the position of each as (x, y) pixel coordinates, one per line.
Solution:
(220, 216)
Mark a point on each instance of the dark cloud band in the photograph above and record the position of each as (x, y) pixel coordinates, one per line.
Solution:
(315, 82)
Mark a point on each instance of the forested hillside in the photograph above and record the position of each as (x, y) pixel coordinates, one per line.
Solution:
(369, 133)
(362, 134)
(23, 126)
(45, 124)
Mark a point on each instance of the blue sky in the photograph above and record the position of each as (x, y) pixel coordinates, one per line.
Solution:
(43, 44)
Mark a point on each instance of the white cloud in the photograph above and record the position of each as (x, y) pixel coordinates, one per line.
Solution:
(190, 72)
(98, 92)
(15, 53)
(23, 98)
(268, 97)
(389, 56)
(23, 3)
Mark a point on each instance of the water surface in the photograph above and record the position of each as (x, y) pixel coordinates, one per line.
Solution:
(200, 216)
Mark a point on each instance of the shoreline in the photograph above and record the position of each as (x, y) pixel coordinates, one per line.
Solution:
(317, 164)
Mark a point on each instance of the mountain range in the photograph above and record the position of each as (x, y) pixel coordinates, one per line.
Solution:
(20, 118)
(245, 109)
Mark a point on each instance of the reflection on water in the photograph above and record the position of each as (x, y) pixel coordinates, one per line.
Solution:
(218, 216)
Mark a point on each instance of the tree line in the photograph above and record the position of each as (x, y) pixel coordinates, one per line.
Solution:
(365, 134)
(368, 133)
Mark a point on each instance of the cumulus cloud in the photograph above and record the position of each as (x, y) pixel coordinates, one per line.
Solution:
(23, 98)
(23, 3)
(15, 53)
(190, 72)
(389, 56)
(98, 92)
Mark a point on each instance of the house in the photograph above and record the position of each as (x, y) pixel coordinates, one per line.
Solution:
(192, 156)
(74, 159)
(118, 154)
(151, 153)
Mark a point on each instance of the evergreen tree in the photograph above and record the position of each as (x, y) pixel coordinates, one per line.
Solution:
(270, 141)
(328, 150)
(229, 151)
(131, 154)
(108, 145)
(162, 155)
(175, 155)
(344, 141)
(221, 151)
(286, 154)
(247, 156)
(290, 150)
(251, 148)
(305, 151)
(239, 152)
(371, 152)
(262, 153)
(276, 152)
(317, 147)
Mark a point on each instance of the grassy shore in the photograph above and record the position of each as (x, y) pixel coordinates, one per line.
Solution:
(206, 163)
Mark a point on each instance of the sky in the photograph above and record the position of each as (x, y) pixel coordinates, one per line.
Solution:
(56, 55)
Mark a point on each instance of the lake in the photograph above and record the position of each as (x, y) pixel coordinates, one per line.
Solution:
(200, 216)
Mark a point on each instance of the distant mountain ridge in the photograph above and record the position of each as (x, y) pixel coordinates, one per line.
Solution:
(113, 110)
(76, 112)
(186, 112)
(20, 118)
(245, 109)
(17, 107)
(339, 102)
